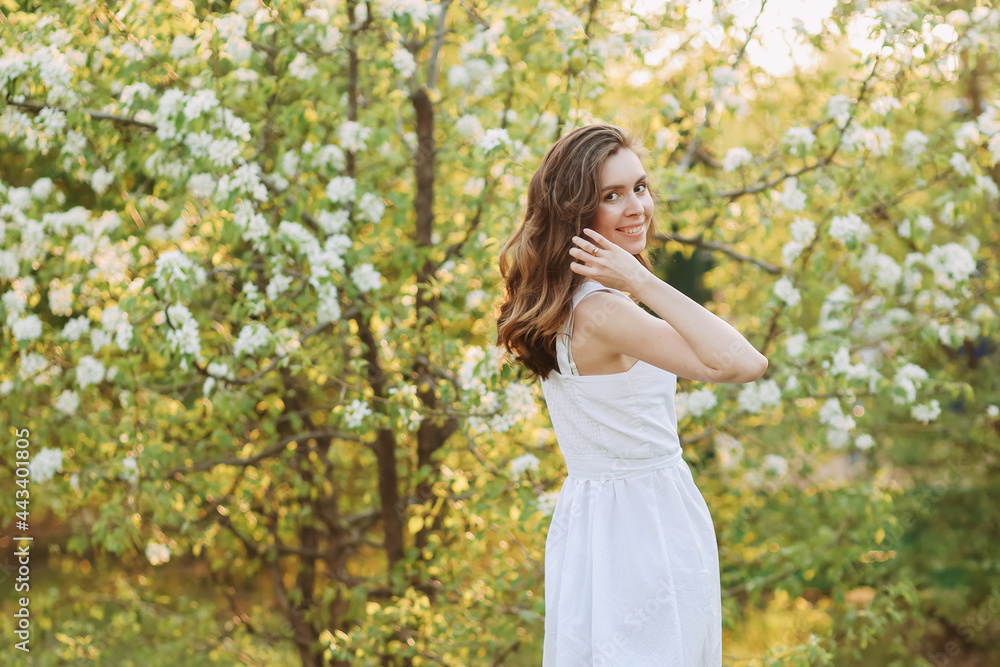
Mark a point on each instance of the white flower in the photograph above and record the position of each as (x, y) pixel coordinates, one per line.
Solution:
(840, 425)
(883, 105)
(695, 403)
(776, 464)
(340, 189)
(366, 278)
(926, 413)
(667, 139)
(797, 137)
(493, 138)
(182, 334)
(803, 230)
(757, 395)
(76, 328)
(331, 37)
(352, 136)
(832, 414)
(986, 185)
(68, 402)
(909, 378)
(328, 309)
(27, 328)
(961, 165)
(329, 156)
(197, 104)
(181, 46)
(879, 268)
(51, 121)
(157, 553)
(864, 441)
(520, 406)
(925, 223)
(41, 189)
(792, 198)
(201, 186)
(469, 126)
(45, 464)
(32, 363)
(951, 263)
(101, 179)
(60, 298)
(458, 77)
(404, 63)
(994, 148)
(728, 449)
(173, 266)
(333, 222)
(736, 158)
(546, 502)
(838, 107)
(356, 413)
(277, 285)
(252, 337)
(785, 290)
(914, 145)
(903, 229)
(849, 227)
(967, 133)
(296, 237)
(418, 10)
(371, 207)
(795, 344)
(878, 141)
(89, 371)
(723, 76)
(475, 299)
(301, 68)
(8, 264)
(992, 411)
(130, 468)
(524, 462)
(790, 252)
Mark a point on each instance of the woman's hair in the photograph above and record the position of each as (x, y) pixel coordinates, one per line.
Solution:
(538, 283)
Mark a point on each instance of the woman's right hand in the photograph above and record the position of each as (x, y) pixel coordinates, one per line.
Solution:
(612, 266)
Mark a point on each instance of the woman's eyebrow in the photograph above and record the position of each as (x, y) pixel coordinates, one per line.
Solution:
(618, 187)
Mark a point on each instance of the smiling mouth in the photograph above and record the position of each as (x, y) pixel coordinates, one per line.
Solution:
(635, 229)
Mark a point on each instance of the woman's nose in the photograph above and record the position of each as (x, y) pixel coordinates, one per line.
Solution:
(633, 206)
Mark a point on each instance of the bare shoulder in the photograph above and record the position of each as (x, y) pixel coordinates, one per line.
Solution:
(599, 307)
(594, 348)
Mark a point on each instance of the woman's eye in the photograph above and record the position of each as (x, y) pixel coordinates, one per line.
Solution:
(614, 194)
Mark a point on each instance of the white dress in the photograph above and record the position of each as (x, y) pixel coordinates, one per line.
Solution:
(631, 558)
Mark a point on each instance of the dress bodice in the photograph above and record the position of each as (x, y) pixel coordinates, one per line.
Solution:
(614, 425)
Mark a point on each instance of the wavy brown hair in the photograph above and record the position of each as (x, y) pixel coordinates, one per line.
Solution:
(538, 283)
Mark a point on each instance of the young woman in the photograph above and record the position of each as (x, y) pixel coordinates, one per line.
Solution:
(631, 558)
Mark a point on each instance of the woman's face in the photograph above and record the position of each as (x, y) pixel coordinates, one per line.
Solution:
(626, 207)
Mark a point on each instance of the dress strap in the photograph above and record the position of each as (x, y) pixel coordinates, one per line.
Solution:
(564, 341)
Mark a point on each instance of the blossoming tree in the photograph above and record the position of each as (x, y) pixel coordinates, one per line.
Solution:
(248, 276)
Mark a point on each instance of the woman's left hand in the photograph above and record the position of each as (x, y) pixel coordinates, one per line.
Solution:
(612, 266)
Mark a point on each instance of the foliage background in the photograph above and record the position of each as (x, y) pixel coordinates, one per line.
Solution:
(248, 275)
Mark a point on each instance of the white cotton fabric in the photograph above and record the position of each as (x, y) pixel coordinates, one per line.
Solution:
(631, 557)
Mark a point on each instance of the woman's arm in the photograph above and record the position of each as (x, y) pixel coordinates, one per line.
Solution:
(715, 341)
(689, 340)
